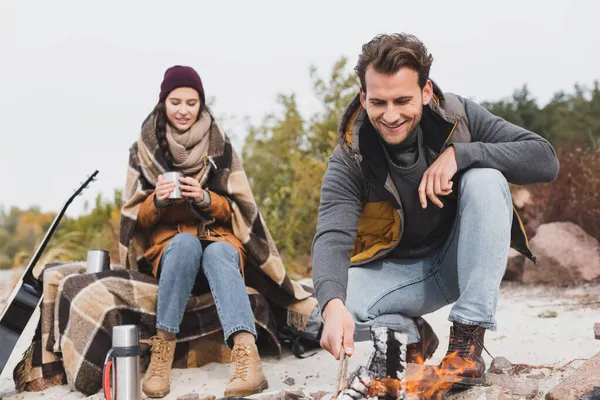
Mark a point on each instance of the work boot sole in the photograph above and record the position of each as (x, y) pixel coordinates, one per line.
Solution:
(466, 383)
(243, 393)
(433, 345)
(156, 395)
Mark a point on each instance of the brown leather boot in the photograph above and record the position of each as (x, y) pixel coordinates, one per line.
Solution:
(156, 380)
(418, 353)
(463, 358)
(248, 377)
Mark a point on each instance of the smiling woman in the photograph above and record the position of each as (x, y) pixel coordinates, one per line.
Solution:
(189, 240)
(182, 107)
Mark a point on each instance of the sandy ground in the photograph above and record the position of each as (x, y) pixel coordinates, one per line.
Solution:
(523, 337)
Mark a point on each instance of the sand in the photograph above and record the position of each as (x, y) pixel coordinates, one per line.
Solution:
(522, 337)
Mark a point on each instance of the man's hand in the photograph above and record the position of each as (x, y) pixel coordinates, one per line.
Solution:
(338, 329)
(437, 179)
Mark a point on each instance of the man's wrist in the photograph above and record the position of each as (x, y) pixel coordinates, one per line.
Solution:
(332, 304)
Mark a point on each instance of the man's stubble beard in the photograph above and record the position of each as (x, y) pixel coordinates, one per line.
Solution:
(413, 128)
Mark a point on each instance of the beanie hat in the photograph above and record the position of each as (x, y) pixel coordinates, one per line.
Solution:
(180, 76)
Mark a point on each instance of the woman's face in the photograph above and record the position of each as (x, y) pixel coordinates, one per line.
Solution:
(183, 105)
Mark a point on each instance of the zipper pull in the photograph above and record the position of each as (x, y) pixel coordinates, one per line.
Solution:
(210, 159)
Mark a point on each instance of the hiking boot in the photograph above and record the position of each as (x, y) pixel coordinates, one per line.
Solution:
(248, 377)
(418, 353)
(156, 380)
(463, 358)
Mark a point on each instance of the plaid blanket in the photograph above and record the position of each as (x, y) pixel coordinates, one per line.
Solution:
(222, 173)
(79, 310)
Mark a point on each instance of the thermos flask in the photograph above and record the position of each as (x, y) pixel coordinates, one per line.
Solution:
(121, 376)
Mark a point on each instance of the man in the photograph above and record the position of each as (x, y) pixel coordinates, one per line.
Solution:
(416, 211)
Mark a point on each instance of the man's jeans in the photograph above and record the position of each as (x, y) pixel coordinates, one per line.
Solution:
(466, 270)
(180, 270)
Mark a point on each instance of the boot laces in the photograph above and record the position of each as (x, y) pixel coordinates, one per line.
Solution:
(160, 354)
(464, 342)
(241, 356)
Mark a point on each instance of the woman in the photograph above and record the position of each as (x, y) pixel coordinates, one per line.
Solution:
(191, 241)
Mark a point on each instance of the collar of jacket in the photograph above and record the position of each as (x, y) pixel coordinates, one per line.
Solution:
(437, 123)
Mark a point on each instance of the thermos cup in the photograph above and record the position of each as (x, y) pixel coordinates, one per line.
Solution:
(97, 261)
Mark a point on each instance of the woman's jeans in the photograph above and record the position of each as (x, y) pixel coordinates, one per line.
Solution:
(185, 261)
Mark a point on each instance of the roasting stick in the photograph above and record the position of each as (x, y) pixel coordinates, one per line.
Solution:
(340, 383)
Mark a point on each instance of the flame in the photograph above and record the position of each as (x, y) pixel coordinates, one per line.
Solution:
(388, 385)
(431, 381)
(424, 381)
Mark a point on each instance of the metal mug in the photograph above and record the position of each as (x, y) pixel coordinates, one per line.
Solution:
(174, 177)
(121, 372)
(97, 261)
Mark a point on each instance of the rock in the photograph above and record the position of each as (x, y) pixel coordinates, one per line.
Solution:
(189, 396)
(593, 395)
(566, 254)
(287, 395)
(514, 267)
(538, 376)
(289, 381)
(581, 384)
(513, 385)
(596, 330)
(320, 395)
(500, 365)
(548, 314)
(479, 393)
(520, 369)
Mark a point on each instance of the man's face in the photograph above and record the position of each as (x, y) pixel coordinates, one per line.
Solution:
(395, 102)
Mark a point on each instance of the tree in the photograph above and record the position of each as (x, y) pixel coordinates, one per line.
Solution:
(567, 118)
(285, 159)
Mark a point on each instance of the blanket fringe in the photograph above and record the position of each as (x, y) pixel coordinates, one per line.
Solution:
(21, 373)
(297, 320)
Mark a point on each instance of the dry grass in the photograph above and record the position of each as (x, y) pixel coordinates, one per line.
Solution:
(573, 197)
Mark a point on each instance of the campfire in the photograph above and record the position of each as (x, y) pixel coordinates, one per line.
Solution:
(389, 377)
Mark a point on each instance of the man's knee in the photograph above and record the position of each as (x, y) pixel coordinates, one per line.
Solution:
(483, 183)
(358, 311)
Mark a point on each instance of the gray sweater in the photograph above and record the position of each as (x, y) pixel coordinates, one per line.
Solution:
(522, 156)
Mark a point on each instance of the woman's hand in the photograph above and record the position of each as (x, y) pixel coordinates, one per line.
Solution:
(191, 189)
(163, 189)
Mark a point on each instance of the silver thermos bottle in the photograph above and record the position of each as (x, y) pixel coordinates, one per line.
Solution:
(121, 378)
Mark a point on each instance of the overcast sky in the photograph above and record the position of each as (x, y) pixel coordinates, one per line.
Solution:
(76, 80)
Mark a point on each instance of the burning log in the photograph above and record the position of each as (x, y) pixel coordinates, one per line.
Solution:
(389, 377)
(389, 358)
(384, 377)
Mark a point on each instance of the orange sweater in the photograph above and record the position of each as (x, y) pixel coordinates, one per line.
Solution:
(166, 222)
